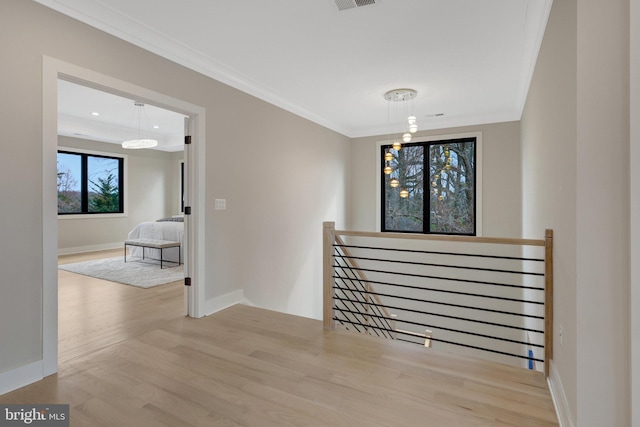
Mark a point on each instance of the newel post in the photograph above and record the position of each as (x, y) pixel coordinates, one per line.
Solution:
(548, 300)
(329, 229)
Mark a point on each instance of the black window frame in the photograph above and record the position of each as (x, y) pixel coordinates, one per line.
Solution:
(84, 183)
(426, 225)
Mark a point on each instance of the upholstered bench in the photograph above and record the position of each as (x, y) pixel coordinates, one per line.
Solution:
(153, 244)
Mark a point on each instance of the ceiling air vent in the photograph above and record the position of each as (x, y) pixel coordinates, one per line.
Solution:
(350, 4)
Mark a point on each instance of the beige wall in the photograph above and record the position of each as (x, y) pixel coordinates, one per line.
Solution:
(634, 178)
(576, 117)
(281, 175)
(602, 204)
(278, 194)
(151, 193)
(549, 176)
(501, 200)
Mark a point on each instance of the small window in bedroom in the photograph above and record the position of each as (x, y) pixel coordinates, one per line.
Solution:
(430, 187)
(89, 183)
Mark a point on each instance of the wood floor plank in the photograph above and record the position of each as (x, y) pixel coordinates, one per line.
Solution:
(129, 357)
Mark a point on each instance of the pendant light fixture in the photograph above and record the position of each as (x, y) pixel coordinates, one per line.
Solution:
(400, 108)
(401, 102)
(139, 142)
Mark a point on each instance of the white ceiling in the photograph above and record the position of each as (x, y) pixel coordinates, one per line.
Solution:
(117, 118)
(471, 60)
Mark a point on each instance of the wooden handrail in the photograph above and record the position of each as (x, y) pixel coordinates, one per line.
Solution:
(439, 238)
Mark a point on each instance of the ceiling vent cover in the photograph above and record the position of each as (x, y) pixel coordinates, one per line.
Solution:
(350, 4)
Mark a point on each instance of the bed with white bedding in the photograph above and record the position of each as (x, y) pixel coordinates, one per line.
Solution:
(164, 229)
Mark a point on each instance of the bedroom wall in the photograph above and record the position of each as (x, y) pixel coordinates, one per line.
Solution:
(152, 180)
(280, 174)
(501, 204)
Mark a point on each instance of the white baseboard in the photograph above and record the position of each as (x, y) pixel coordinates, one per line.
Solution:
(224, 301)
(563, 411)
(90, 248)
(20, 377)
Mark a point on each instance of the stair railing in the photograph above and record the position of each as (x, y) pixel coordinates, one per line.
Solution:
(481, 301)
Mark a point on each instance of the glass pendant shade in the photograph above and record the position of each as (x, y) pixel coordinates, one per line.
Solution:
(413, 127)
(394, 183)
(396, 145)
(388, 170)
(138, 143)
(388, 156)
(406, 137)
(404, 193)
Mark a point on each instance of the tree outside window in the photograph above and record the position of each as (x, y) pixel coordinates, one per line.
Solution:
(89, 184)
(433, 180)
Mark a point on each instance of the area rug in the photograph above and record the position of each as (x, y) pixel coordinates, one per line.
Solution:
(135, 272)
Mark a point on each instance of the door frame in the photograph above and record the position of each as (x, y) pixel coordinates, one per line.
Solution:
(52, 70)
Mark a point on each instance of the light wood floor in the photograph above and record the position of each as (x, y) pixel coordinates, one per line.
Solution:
(130, 358)
(94, 313)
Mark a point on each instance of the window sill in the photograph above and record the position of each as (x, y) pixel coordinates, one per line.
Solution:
(92, 216)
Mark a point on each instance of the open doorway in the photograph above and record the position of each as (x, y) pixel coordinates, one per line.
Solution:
(108, 194)
(53, 71)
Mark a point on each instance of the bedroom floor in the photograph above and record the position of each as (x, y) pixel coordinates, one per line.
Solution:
(95, 313)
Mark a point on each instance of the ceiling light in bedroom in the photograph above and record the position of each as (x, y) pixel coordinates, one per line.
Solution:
(139, 142)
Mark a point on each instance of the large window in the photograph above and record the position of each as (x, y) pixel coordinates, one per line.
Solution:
(89, 183)
(430, 187)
